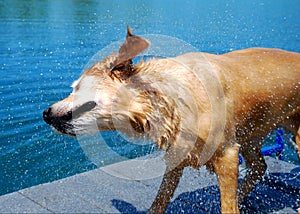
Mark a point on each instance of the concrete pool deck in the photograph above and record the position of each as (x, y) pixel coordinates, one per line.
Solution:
(97, 191)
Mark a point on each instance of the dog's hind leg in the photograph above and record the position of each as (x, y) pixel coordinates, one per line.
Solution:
(169, 183)
(256, 168)
(297, 134)
(292, 124)
(298, 142)
(226, 168)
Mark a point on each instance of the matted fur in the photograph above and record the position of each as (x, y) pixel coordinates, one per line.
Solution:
(201, 108)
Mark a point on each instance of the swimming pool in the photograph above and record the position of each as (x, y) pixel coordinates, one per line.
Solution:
(46, 44)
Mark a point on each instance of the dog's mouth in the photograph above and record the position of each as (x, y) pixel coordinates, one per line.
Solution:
(62, 124)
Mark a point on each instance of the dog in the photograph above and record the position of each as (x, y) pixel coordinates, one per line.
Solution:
(201, 108)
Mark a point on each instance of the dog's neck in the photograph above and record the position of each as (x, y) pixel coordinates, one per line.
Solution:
(142, 111)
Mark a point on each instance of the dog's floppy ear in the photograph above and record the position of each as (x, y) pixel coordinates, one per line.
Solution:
(130, 49)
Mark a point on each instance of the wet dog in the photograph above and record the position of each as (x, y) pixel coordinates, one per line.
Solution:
(201, 108)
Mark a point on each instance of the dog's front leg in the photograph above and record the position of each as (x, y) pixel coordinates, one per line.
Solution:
(167, 189)
(226, 168)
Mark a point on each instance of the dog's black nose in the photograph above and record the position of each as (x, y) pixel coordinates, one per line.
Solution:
(47, 115)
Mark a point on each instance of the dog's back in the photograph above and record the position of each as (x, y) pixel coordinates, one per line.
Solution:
(262, 86)
(265, 86)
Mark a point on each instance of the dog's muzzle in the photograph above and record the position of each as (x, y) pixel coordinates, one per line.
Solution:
(62, 123)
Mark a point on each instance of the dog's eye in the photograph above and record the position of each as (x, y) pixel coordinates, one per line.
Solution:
(77, 87)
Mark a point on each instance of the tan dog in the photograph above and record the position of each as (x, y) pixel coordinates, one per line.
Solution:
(201, 108)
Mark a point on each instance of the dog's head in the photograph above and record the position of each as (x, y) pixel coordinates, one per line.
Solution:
(88, 108)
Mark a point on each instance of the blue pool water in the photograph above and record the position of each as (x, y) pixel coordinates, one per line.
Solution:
(45, 44)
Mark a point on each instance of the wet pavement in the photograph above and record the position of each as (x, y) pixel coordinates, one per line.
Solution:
(98, 191)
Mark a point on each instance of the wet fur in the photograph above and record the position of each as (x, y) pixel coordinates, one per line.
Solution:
(162, 100)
